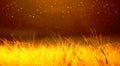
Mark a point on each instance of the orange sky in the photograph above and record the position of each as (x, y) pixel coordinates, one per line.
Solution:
(73, 16)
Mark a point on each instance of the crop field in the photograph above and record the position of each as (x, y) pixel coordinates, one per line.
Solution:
(60, 51)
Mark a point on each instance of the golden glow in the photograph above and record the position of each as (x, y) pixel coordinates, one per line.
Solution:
(59, 53)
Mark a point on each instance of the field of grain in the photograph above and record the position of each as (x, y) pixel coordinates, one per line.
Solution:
(61, 51)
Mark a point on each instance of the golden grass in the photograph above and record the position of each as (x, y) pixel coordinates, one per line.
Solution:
(60, 52)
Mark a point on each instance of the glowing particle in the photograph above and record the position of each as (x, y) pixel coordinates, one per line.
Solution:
(96, 0)
(55, 3)
(51, 6)
(107, 4)
(68, 7)
(116, 12)
(21, 8)
(37, 10)
(98, 12)
(68, 12)
(82, 4)
(11, 4)
(18, 10)
(40, 12)
(33, 16)
(12, 16)
(40, 7)
(7, 5)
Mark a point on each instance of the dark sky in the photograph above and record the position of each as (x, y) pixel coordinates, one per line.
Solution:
(63, 16)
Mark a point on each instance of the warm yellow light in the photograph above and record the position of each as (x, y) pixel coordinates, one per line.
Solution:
(58, 53)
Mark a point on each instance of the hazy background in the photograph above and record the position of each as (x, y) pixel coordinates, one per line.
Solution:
(65, 17)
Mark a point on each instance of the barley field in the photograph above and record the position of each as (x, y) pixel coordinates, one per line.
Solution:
(61, 51)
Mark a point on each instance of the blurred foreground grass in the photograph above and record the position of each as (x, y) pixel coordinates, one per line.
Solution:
(93, 51)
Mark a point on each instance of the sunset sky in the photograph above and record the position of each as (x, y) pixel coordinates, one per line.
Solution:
(63, 16)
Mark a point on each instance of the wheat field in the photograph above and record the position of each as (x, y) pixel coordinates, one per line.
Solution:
(93, 51)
